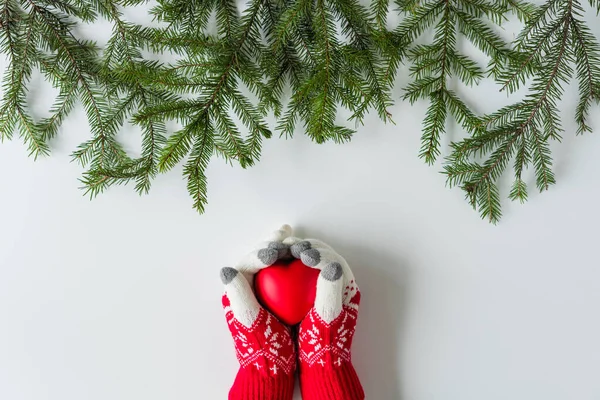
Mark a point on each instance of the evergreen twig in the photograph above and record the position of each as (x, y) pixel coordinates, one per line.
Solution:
(235, 65)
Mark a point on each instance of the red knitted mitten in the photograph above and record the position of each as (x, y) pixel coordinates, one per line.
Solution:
(264, 346)
(325, 335)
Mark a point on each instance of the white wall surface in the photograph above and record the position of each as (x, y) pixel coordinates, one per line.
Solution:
(119, 298)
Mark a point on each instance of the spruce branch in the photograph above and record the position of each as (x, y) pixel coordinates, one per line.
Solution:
(123, 54)
(213, 75)
(347, 70)
(18, 43)
(301, 60)
(79, 59)
(435, 65)
(553, 39)
(264, 48)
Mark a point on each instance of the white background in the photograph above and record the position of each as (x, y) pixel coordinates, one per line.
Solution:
(119, 298)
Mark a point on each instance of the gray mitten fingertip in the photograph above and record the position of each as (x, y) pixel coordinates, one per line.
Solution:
(332, 272)
(311, 257)
(283, 250)
(227, 274)
(299, 247)
(268, 256)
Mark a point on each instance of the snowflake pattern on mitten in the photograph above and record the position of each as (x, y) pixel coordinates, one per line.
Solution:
(266, 346)
(328, 344)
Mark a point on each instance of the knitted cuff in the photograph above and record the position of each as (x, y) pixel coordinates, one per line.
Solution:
(255, 386)
(340, 383)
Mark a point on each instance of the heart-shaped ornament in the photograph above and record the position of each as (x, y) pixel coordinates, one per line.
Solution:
(287, 289)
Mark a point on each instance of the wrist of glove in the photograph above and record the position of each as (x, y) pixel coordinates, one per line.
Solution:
(264, 346)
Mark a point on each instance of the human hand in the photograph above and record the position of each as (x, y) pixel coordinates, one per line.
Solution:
(264, 346)
(326, 333)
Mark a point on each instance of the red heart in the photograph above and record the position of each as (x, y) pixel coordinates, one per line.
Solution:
(287, 290)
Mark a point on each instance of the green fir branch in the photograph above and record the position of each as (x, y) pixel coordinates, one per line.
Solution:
(301, 60)
(522, 131)
(436, 65)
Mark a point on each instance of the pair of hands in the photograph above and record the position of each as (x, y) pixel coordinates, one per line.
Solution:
(265, 348)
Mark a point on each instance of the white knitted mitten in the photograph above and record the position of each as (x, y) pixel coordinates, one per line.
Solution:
(264, 345)
(325, 335)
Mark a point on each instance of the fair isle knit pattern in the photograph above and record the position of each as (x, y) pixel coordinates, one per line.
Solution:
(323, 344)
(266, 346)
